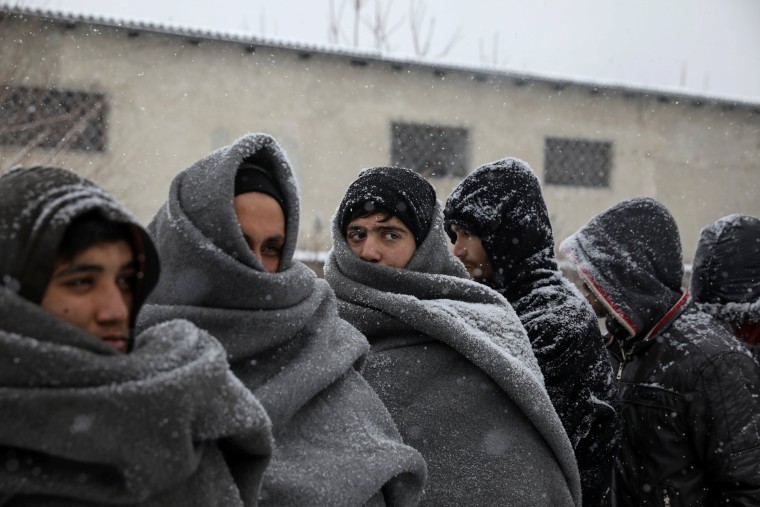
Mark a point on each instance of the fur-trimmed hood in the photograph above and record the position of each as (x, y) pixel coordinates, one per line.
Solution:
(726, 273)
(630, 257)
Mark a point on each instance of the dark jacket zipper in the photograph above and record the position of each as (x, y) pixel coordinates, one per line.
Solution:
(623, 360)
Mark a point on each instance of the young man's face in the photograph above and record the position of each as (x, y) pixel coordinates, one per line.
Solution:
(385, 241)
(95, 291)
(469, 249)
(263, 224)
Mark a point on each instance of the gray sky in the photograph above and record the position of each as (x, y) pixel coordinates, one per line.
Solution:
(707, 47)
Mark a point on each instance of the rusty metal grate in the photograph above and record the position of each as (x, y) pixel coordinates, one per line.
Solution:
(52, 118)
(577, 162)
(431, 150)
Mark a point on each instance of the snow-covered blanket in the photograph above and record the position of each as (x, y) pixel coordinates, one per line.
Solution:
(454, 366)
(335, 443)
(85, 425)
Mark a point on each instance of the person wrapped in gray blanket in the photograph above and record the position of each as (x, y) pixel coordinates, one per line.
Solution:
(449, 357)
(91, 414)
(227, 235)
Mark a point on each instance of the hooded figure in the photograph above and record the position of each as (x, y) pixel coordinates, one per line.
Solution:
(726, 275)
(449, 358)
(335, 443)
(691, 412)
(83, 423)
(501, 203)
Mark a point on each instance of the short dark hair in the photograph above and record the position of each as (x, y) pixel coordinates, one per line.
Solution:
(90, 229)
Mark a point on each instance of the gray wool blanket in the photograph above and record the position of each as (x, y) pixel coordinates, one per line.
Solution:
(454, 366)
(335, 443)
(165, 425)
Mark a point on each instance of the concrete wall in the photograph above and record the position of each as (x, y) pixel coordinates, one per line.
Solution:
(173, 100)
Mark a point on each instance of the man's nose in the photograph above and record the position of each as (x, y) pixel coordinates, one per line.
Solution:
(459, 249)
(112, 306)
(371, 251)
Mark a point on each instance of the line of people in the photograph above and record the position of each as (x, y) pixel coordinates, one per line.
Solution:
(227, 373)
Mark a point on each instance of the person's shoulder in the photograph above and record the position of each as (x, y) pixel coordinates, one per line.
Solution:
(702, 338)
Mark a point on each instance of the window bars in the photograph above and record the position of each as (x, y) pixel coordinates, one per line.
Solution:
(431, 150)
(577, 162)
(52, 118)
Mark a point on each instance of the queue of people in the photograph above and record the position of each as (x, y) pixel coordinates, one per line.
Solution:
(196, 362)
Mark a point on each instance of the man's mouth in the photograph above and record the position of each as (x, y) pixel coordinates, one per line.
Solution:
(117, 342)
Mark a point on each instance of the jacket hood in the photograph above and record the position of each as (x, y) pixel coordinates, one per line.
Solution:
(630, 257)
(501, 202)
(206, 192)
(726, 272)
(37, 206)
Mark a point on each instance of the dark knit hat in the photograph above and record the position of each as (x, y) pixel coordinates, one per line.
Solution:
(251, 177)
(401, 192)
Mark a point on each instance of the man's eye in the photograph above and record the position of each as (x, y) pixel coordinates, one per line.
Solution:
(356, 236)
(79, 283)
(127, 283)
(271, 251)
(391, 236)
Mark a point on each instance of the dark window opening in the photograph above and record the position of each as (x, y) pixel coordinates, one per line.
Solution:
(52, 118)
(430, 150)
(577, 162)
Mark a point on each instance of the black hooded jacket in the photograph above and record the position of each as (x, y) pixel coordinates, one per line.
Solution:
(725, 280)
(691, 414)
(502, 203)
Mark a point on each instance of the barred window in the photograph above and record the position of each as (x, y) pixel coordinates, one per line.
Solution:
(577, 162)
(52, 118)
(430, 150)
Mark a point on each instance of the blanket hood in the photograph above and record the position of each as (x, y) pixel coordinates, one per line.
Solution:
(206, 192)
(37, 206)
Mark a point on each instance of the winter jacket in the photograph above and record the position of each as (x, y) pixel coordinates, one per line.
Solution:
(166, 424)
(690, 407)
(454, 366)
(502, 203)
(335, 443)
